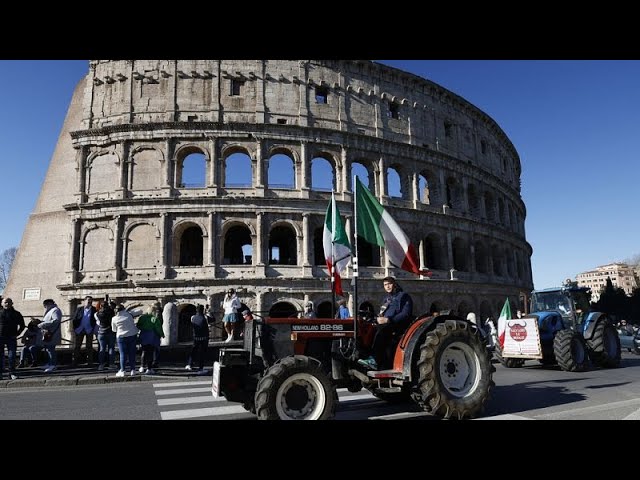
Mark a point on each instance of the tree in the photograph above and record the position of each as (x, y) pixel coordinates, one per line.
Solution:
(614, 301)
(6, 262)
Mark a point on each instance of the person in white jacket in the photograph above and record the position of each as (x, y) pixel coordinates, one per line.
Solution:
(231, 304)
(126, 335)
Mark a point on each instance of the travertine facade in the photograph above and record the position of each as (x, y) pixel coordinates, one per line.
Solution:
(116, 216)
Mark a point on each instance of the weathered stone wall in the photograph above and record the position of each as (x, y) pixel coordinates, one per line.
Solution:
(122, 220)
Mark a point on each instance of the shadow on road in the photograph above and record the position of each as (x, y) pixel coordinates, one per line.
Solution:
(530, 396)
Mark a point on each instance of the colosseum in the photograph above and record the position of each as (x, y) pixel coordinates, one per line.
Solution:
(174, 180)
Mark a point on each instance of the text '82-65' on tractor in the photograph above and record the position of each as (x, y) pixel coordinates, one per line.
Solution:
(290, 368)
(570, 333)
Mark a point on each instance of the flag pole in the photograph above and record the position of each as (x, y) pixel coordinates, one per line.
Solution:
(333, 256)
(354, 260)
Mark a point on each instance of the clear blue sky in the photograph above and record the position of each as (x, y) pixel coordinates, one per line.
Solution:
(574, 123)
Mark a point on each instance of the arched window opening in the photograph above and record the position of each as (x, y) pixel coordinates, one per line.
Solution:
(368, 254)
(482, 260)
(460, 257)
(324, 310)
(237, 171)
(283, 310)
(191, 253)
(423, 190)
(362, 173)
(394, 185)
(433, 253)
(322, 175)
(193, 171)
(282, 246)
(318, 247)
(237, 246)
(281, 171)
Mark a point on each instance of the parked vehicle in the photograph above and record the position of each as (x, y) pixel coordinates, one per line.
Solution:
(571, 334)
(630, 341)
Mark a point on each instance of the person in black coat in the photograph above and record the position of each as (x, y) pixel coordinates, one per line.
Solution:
(84, 324)
(11, 325)
(396, 313)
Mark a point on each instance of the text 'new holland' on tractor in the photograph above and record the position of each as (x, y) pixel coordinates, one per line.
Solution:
(571, 334)
(289, 368)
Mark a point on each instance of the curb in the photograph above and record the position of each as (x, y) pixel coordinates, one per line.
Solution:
(79, 380)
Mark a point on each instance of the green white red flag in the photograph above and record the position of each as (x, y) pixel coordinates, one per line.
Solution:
(505, 315)
(376, 226)
(337, 249)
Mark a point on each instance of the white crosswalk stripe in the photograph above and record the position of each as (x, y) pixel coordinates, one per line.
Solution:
(178, 400)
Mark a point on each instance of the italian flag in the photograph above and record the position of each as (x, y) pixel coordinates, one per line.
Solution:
(337, 249)
(376, 226)
(505, 315)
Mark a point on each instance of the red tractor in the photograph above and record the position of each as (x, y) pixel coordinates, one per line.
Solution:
(289, 368)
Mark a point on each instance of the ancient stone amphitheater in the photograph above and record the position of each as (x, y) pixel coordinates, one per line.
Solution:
(174, 180)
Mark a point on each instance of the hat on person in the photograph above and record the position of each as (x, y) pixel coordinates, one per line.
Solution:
(245, 313)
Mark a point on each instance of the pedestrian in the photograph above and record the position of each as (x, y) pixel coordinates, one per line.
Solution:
(126, 334)
(32, 341)
(150, 326)
(308, 311)
(396, 313)
(84, 324)
(231, 304)
(106, 336)
(11, 325)
(200, 340)
(343, 310)
(51, 334)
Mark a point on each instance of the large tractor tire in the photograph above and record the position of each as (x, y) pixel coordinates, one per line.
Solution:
(508, 362)
(454, 371)
(604, 346)
(570, 351)
(296, 388)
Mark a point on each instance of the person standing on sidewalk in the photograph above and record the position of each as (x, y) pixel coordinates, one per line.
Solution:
(84, 324)
(126, 334)
(150, 325)
(231, 305)
(106, 336)
(200, 340)
(11, 325)
(51, 334)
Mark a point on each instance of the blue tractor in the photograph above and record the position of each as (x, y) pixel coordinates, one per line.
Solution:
(571, 334)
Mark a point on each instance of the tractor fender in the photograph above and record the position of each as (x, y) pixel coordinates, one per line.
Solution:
(408, 349)
(592, 320)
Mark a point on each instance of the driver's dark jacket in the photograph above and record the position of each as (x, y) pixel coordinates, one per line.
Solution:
(400, 307)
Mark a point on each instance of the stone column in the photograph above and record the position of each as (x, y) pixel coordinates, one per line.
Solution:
(449, 249)
(306, 236)
(118, 240)
(344, 186)
(258, 180)
(259, 85)
(303, 75)
(213, 164)
(74, 250)
(304, 172)
(383, 179)
(258, 249)
(415, 190)
(81, 175)
(211, 244)
(465, 195)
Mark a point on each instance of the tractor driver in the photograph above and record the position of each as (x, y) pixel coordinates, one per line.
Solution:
(396, 313)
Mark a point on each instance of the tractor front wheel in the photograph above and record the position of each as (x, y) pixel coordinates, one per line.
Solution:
(454, 371)
(570, 351)
(296, 388)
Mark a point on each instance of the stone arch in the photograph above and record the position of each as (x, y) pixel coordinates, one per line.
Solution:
(236, 236)
(284, 309)
(281, 166)
(185, 330)
(368, 254)
(283, 243)
(320, 169)
(103, 172)
(435, 256)
(146, 168)
(453, 193)
(188, 243)
(490, 206)
(318, 246)
(141, 239)
(481, 257)
(396, 188)
(360, 168)
(474, 201)
(432, 191)
(97, 248)
(460, 254)
(242, 171)
(195, 176)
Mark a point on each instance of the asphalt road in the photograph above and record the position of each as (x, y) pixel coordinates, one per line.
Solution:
(531, 392)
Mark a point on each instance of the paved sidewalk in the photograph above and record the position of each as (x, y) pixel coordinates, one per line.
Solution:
(65, 375)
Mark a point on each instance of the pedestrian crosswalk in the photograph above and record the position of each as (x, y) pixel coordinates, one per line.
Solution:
(193, 400)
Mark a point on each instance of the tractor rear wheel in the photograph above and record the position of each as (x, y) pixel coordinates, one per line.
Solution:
(454, 371)
(296, 388)
(570, 351)
(604, 346)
